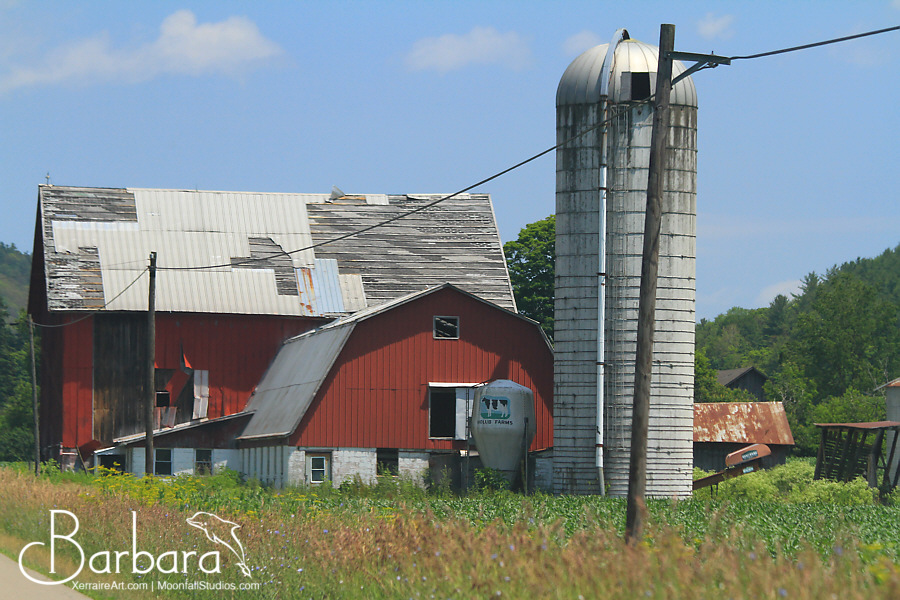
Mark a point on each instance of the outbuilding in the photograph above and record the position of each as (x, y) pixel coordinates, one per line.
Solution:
(389, 390)
(721, 428)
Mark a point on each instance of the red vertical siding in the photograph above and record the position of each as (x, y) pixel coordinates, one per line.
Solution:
(76, 344)
(235, 349)
(377, 393)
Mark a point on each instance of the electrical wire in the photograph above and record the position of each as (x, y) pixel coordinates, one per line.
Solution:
(816, 44)
(96, 310)
(428, 205)
(415, 210)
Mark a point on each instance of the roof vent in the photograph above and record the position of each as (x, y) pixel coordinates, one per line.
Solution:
(336, 193)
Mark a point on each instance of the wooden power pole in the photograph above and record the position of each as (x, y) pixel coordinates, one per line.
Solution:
(34, 402)
(637, 475)
(150, 392)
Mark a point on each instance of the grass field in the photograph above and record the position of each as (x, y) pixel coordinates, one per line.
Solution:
(397, 541)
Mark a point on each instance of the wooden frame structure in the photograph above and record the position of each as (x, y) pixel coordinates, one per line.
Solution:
(847, 451)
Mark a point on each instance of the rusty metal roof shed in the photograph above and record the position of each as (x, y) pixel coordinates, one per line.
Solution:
(253, 253)
(742, 422)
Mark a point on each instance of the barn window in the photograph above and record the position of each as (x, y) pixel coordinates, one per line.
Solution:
(163, 463)
(449, 407)
(387, 462)
(446, 328)
(203, 464)
(162, 399)
(115, 462)
(318, 467)
(442, 413)
(640, 86)
(201, 393)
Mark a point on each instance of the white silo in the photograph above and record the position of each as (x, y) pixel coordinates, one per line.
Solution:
(601, 194)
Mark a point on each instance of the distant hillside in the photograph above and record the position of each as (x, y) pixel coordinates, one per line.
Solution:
(825, 350)
(15, 270)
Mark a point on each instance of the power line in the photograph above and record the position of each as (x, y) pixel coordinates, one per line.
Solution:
(415, 210)
(816, 44)
(246, 261)
(96, 310)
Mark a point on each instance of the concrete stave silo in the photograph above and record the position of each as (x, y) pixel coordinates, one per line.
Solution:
(602, 187)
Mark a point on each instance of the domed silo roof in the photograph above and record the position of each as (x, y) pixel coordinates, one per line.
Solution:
(580, 84)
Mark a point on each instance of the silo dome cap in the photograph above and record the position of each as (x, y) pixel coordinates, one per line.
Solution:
(580, 84)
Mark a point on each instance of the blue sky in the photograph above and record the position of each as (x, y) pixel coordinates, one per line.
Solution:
(798, 165)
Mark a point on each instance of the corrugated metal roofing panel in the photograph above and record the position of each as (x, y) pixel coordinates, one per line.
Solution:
(742, 422)
(291, 383)
(353, 292)
(327, 284)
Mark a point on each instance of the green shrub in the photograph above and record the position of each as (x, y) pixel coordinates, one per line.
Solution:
(823, 491)
(791, 482)
(795, 474)
(490, 480)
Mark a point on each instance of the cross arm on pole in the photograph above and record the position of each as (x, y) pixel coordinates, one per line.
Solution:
(702, 61)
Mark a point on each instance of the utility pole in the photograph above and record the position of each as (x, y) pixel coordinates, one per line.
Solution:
(150, 392)
(637, 474)
(34, 402)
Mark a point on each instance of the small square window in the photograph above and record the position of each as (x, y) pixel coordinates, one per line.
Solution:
(446, 328)
(388, 462)
(162, 399)
(203, 464)
(318, 468)
(163, 463)
(640, 86)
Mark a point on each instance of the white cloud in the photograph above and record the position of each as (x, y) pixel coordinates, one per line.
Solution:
(183, 47)
(482, 45)
(786, 288)
(581, 41)
(711, 26)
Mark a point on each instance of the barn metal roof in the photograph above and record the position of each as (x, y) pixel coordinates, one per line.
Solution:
(303, 362)
(237, 252)
(291, 382)
(742, 422)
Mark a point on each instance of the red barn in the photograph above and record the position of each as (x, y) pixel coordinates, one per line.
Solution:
(390, 387)
(238, 274)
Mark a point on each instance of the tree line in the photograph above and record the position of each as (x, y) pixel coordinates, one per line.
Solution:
(16, 409)
(826, 350)
(16, 412)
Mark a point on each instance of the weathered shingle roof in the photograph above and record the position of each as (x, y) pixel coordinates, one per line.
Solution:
(728, 375)
(96, 241)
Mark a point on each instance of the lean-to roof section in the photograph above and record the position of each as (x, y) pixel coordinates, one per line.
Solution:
(291, 383)
(237, 252)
